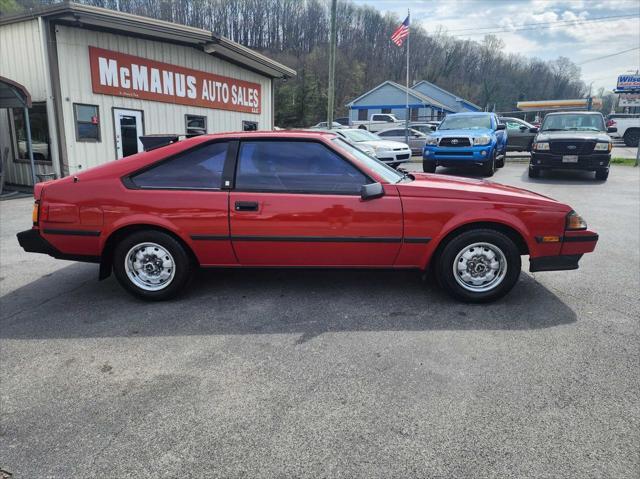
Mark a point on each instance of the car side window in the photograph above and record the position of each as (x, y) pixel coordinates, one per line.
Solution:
(296, 167)
(513, 125)
(200, 168)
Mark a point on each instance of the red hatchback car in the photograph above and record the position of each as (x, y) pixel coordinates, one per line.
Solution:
(296, 199)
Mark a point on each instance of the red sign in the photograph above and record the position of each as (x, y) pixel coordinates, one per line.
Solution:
(119, 74)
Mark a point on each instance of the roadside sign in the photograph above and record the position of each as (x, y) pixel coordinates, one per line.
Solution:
(628, 83)
(629, 99)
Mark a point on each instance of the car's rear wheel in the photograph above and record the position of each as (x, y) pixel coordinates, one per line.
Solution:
(602, 174)
(428, 166)
(362, 127)
(534, 172)
(478, 266)
(152, 265)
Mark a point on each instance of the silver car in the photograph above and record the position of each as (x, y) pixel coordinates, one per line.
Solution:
(323, 126)
(390, 152)
(417, 139)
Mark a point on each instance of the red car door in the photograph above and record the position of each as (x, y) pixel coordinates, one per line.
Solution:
(298, 203)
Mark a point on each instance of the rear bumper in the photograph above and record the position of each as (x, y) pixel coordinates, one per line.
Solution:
(585, 162)
(32, 242)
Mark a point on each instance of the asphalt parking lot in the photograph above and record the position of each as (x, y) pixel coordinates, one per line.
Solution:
(328, 373)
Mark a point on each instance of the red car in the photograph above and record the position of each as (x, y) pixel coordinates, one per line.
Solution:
(296, 199)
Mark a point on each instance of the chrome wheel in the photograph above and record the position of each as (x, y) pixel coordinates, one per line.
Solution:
(480, 267)
(150, 266)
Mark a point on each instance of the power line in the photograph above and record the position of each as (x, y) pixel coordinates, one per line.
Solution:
(608, 56)
(545, 23)
(514, 30)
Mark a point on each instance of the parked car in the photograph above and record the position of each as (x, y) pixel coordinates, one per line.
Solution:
(572, 140)
(378, 122)
(393, 153)
(296, 199)
(628, 127)
(424, 127)
(323, 125)
(520, 134)
(467, 139)
(416, 138)
(343, 120)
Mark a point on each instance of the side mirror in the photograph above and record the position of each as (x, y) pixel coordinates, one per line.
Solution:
(533, 129)
(612, 129)
(523, 128)
(501, 126)
(371, 191)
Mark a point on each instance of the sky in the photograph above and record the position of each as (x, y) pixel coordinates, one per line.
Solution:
(577, 38)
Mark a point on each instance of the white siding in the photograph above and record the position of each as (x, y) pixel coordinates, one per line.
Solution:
(75, 81)
(22, 60)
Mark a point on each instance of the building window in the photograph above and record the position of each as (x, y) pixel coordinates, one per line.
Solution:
(363, 114)
(249, 126)
(39, 133)
(386, 110)
(195, 125)
(87, 119)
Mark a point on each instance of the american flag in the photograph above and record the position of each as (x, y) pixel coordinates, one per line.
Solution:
(401, 32)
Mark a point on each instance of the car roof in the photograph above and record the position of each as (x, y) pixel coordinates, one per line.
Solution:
(472, 113)
(573, 113)
(272, 134)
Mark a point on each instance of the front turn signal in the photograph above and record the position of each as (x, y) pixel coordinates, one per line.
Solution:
(575, 222)
(35, 213)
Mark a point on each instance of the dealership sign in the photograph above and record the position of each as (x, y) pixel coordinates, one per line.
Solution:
(629, 99)
(119, 74)
(628, 83)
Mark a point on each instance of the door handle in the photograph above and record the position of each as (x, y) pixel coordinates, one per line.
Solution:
(246, 206)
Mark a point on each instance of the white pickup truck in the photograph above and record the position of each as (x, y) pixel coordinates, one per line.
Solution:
(377, 122)
(628, 128)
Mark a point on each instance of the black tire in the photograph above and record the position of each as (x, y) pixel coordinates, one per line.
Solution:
(632, 137)
(534, 172)
(602, 175)
(182, 263)
(428, 166)
(500, 162)
(489, 168)
(445, 263)
(362, 127)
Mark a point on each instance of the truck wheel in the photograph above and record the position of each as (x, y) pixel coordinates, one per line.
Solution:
(362, 127)
(534, 172)
(489, 167)
(478, 266)
(152, 265)
(428, 166)
(500, 162)
(631, 137)
(602, 175)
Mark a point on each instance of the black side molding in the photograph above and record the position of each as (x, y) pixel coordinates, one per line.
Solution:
(52, 231)
(554, 263)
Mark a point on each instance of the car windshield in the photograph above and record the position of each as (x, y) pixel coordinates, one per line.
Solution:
(359, 135)
(573, 122)
(384, 171)
(459, 122)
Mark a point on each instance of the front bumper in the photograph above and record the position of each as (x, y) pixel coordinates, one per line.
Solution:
(452, 156)
(32, 242)
(574, 245)
(394, 157)
(589, 162)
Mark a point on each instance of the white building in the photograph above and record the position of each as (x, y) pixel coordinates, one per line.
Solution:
(99, 79)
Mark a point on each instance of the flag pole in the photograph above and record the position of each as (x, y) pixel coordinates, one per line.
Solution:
(406, 122)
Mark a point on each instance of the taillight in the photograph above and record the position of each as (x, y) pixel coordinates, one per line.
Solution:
(35, 214)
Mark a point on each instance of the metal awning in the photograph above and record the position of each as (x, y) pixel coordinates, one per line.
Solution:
(14, 95)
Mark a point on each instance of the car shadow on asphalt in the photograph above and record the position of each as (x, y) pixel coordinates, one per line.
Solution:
(562, 177)
(71, 303)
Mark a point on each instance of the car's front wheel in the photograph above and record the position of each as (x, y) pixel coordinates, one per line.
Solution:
(152, 265)
(489, 167)
(602, 174)
(478, 266)
(534, 172)
(428, 166)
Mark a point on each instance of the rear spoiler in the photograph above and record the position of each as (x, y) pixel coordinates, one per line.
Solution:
(153, 142)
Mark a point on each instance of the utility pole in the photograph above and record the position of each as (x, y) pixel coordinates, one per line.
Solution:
(332, 65)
